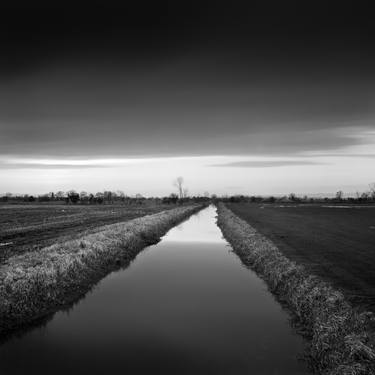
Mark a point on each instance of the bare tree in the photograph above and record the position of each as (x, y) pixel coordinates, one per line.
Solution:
(372, 190)
(83, 196)
(179, 183)
(292, 197)
(108, 196)
(99, 197)
(339, 195)
(365, 196)
(60, 195)
(73, 196)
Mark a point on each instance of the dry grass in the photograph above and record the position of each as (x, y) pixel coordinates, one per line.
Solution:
(333, 243)
(341, 341)
(34, 284)
(25, 228)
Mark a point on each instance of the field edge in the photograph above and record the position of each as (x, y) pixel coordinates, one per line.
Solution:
(341, 341)
(34, 285)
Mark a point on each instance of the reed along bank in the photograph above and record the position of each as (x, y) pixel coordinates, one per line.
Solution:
(341, 341)
(36, 284)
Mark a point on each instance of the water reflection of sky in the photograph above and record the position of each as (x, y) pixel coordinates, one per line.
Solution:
(199, 228)
(184, 306)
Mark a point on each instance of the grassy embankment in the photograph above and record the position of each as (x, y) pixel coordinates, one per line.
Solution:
(25, 228)
(341, 342)
(330, 241)
(36, 283)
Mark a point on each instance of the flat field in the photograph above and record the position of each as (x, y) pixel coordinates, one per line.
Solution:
(336, 242)
(30, 227)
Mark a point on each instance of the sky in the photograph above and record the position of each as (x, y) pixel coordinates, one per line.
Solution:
(236, 97)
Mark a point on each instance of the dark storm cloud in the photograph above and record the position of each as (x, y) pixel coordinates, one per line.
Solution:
(183, 78)
(138, 31)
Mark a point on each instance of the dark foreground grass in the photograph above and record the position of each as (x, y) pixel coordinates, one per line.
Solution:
(333, 242)
(341, 339)
(25, 228)
(34, 284)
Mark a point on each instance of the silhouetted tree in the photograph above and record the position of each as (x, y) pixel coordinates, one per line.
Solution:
(60, 195)
(121, 195)
(178, 183)
(292, 197)
(108, 196)
(99, 197)
(372, 190)
(173, 198)
(73, 196)
(83, 197)
(339, 195)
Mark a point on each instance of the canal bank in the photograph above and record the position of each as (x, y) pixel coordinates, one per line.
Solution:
(184, 306)
(340, 336)
(38, 283)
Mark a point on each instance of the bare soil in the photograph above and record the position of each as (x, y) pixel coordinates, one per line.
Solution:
(30, 227)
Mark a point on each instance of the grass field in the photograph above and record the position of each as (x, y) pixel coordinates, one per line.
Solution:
(334, 242)
(30, 227)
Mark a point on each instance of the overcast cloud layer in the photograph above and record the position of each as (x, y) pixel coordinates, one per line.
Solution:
(171, 79)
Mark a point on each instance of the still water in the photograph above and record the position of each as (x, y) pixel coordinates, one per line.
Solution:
(184, 306)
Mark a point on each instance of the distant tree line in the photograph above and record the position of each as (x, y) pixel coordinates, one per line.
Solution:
(181, 197)
(70, 197)
(105, 197)
(364, 197)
